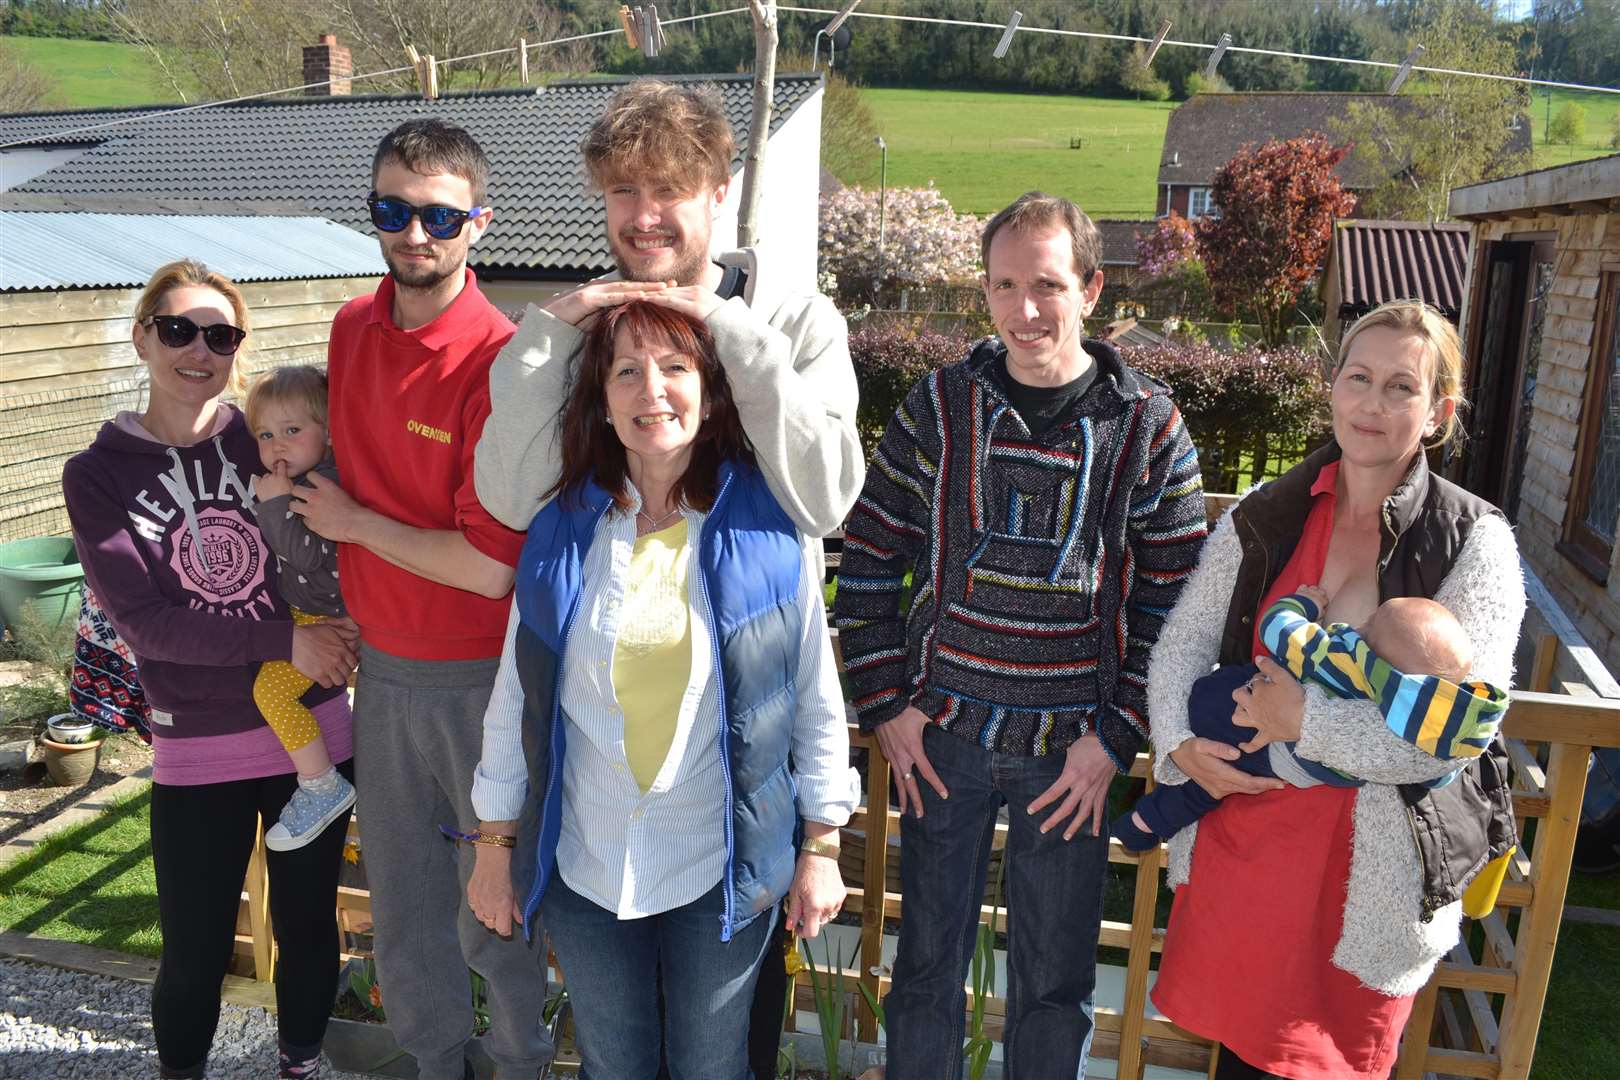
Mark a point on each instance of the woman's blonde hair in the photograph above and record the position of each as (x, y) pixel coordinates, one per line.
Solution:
(1444, 347)
(183, 272)
(296, 384)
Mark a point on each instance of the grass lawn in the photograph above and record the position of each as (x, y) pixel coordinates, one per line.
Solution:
(985, 149)
(92, 884)
(1600, 111)
(91, 74)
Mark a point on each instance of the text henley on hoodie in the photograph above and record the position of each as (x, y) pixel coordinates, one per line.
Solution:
(406, 409)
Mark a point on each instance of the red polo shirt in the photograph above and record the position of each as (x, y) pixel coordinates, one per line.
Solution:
(406, 410)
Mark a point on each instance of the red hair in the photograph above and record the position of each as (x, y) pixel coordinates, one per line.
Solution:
(591, 448)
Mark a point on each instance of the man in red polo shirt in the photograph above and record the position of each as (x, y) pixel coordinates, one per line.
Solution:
(425, 571)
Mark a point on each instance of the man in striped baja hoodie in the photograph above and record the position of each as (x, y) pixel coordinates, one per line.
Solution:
(1046, 503)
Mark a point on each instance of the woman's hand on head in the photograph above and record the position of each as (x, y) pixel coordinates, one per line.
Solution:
(325, 653)
(1207, 763)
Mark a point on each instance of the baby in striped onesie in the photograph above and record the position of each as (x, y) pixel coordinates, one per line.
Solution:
(1411, 658)
(286, 411)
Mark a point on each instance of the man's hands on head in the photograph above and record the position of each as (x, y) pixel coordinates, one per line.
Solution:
(577, 306)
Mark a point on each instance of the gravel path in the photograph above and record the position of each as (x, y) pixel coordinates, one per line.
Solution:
(57, 1025)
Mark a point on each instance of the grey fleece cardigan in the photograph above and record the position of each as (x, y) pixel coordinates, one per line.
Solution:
(1384, 943)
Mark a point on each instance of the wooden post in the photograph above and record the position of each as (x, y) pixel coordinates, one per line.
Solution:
(874, 881)
(1538, 926)
(258, 890)
(759, 131)
(1415, 1043)
(1140, 956)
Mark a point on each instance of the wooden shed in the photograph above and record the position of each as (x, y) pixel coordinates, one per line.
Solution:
(1370, 262)
(1542, 333)
(68, 283)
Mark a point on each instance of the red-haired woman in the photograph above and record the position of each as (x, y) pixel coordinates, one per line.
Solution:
(666, 742)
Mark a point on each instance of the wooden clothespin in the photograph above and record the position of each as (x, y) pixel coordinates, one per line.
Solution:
(523, 61)
(630, 21)
(652, 31)
(1404, 71)
(427, 73)
(1215, 57)
(1153, 50)
(1007, 35)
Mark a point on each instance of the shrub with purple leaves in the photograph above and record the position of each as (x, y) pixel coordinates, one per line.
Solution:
(890, 357)
(1242, 408)
(925, 242)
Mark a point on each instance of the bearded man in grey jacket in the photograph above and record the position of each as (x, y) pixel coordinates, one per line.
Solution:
(661, 156)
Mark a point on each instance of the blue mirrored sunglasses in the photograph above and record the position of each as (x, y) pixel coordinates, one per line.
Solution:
(392, 214)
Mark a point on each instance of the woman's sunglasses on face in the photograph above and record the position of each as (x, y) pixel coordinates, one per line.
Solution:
(177, 331)
(391, 214)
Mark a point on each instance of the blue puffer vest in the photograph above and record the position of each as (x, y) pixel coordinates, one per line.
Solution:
(749, 561)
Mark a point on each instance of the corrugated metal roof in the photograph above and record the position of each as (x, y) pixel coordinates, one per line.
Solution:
(1400, 260)
(77, 251)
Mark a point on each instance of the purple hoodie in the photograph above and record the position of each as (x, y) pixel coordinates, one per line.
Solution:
(172, 550)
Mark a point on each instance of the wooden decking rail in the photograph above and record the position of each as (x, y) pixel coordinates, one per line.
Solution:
(1478, 1016)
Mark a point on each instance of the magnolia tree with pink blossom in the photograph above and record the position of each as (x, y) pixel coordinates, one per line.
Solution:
(926, 243)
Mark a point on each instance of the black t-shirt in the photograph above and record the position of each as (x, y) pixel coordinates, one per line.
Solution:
(733, 280)
(1041, 407)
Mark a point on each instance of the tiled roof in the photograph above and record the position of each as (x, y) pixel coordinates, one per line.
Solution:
(315, 154)
(1399, 260)
(1119, 240)
(77, 250)
(1206, 130)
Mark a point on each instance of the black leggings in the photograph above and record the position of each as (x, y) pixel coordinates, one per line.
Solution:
(1232, 1067)
(202, 837)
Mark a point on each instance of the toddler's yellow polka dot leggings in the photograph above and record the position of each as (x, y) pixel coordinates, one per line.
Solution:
(276, 690)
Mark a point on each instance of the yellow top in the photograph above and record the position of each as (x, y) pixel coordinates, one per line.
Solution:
(652, 658)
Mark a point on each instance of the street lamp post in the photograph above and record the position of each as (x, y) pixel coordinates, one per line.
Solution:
(883, 206)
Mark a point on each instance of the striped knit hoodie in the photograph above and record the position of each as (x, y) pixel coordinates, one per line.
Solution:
(1041, 569)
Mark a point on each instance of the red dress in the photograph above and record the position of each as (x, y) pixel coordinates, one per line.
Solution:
(1248, 956)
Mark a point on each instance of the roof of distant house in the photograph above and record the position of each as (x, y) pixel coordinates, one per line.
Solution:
(1399, 260)
(1119, 240)
(78, 250)
(314, 153)
(1206, 130)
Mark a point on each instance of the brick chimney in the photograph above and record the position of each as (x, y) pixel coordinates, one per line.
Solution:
(324, 61)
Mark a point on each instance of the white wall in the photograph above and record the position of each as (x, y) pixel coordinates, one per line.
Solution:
(790, 206)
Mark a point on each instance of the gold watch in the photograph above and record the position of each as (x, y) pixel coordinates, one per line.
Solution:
(816, 846)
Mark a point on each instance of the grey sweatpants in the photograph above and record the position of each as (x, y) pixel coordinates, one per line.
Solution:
(418, 735)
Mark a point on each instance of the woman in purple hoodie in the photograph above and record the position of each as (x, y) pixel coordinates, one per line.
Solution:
(163, 520)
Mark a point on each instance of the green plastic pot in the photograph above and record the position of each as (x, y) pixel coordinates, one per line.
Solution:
(43, 574)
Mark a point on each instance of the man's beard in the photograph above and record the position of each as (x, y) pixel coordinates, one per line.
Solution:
(690, 262)
(415, 275)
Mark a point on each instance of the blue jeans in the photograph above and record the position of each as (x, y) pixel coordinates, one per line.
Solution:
(1602, 786)
(1053, 897)
(610, 967)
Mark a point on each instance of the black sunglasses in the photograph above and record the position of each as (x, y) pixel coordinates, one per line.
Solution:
(440, 222)
(177, 331)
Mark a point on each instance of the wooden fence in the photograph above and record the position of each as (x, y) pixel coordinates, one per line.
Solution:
(67, 364)
(1478, 1017)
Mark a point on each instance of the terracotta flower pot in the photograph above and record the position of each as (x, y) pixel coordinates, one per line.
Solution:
(70, 764)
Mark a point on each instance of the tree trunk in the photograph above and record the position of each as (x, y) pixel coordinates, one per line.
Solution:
(764, 15)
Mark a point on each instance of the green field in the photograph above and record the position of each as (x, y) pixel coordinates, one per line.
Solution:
(983, 150)
(1600, 111)
(91, 74)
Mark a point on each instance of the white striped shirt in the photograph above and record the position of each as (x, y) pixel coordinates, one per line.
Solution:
(638, 853)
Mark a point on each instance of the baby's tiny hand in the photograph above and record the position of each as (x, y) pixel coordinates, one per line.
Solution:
(1315, 595)
(272, 485)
